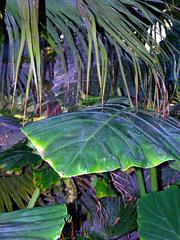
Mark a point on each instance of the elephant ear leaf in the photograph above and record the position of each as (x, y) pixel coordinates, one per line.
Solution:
(94, 141)
(158, 215)
(37, 223)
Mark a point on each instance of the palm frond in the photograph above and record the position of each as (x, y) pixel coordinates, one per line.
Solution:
(127, 26)
(21, 20)
(124, 24)
(15, 191)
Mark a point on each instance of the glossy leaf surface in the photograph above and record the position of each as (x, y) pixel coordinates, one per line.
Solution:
(158, 215)
(37, 223)
(94, 141)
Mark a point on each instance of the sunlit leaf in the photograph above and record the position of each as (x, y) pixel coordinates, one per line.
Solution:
(93, 141)
(45, 178)
(103, 187)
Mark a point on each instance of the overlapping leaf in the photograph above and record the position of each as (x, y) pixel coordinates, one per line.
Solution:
(10, 133)
(121, 24)
(17, 157)
(94, 141)
(103, 187)
(158, 215)
(15, 191)
(37, 223)
(45, 178)
(121, 220)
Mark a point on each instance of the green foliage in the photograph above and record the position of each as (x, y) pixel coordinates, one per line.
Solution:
(89, 100)
(34, 198)
(90, 141)
(93, 141)
(15, 191)
(158, 215)
(17, 157)
(16, 180)
(103, 186)
(22, 26)
(122, 24)
(37, 223)
(45, 178)
(175, 165)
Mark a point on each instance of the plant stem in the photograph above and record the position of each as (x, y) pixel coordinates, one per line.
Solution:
(140, 181)
(154, 181)
(34, 198)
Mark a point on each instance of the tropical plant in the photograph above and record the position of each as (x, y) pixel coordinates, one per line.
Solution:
(21, 183)
(92, 141)
(116, 115)
(86, 48)
(121, 220)
(118, 29)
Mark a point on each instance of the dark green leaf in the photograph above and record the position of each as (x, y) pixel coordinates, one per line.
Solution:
(37, 223)
(17, 157)
(159, 215)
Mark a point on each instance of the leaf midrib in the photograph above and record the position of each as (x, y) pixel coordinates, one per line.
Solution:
(88, 139)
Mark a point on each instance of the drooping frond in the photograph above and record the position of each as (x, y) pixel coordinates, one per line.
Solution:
(83, 32)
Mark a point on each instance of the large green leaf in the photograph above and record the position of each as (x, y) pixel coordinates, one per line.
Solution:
(93, 141)
(37, 223)
(159, 215)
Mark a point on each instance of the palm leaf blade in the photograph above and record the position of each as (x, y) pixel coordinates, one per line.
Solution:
(15, 191)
